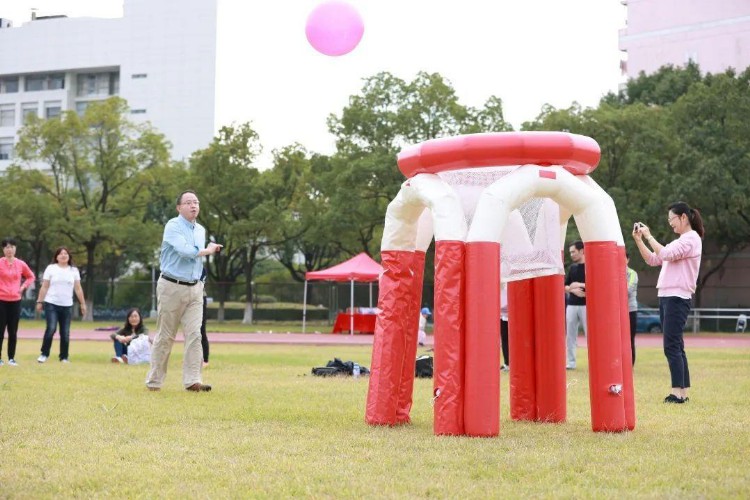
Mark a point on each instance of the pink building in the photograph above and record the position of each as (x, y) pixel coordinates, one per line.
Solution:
(713, 33)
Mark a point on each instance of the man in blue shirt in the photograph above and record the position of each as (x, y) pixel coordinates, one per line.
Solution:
(179, 294)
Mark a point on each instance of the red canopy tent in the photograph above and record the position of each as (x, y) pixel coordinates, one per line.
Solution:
(361, 268)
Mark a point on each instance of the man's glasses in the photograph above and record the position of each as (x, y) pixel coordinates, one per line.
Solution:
(191, 202)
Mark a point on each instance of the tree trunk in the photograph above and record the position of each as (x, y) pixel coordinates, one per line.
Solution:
(247, 318)
(88, 290)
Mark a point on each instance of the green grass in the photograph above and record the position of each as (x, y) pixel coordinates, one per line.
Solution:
(270, 429)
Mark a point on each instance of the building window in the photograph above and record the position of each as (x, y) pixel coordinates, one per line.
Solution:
(56, 81)
(6, 148)
(52, 109)
(9, 85)
(97, 84)
(29, 109)
(52, 81)
(139, 75)
(7, 115)
(34, 83)
(81, 107)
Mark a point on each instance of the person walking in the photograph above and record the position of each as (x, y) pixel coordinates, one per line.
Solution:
(179, 295)
(680, 263)
(575, 309)
(60, 280)
(15, 278)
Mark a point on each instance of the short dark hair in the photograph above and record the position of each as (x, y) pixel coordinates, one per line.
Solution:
(179, 198)
(8, 241)
(578, 244)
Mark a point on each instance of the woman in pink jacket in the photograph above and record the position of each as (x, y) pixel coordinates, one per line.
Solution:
(15, 278)
(680, 261)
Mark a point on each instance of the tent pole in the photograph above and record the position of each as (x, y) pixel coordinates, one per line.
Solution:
(351, 311)
(371, 295)
(304, 308)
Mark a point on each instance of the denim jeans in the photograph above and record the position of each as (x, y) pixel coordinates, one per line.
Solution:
(673, 312)
(55, 315)
(120, 348)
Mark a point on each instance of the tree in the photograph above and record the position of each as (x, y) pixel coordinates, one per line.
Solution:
(96, 163)
(712, 169)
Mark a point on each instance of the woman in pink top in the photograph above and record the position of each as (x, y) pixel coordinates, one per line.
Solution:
(680, 261)
(15, 278)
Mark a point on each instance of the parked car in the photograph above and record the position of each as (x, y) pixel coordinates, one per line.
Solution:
(647, 320)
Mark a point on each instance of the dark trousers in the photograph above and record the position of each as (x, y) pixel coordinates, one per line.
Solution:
(204, 337)
(120, 349)
(57, 315)
(10, 313)
(633, 320)
(673, 312)
(504, 341)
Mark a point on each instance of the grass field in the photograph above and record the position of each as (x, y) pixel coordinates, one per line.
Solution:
(270, 429)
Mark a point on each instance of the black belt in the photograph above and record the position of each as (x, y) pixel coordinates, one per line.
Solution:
(186, 283)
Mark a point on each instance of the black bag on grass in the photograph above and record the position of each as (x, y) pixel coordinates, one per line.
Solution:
(423, 367)
(338, 367)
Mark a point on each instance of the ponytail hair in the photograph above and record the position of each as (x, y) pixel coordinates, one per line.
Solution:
(693, 216)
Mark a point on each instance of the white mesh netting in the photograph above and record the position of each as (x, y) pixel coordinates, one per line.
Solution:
(531, 244)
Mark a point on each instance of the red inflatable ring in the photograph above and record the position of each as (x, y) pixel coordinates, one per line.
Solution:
(578, 154)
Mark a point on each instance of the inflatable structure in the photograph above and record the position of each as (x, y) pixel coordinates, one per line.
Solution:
(497, 205)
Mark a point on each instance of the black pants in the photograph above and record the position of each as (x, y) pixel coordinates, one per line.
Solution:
(504, 341)
(204, 337)
(10, 313)
(633, 321)
(673, 312)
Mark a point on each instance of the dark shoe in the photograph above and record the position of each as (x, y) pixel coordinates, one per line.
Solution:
(686, 399)
(673, 399)
(154, 389)
(198, 387)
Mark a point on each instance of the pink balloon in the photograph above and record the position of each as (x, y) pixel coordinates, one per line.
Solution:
(334, 28)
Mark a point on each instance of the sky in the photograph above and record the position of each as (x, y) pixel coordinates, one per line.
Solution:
(527, 52)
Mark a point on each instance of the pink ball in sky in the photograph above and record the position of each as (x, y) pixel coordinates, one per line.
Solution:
(334, 28)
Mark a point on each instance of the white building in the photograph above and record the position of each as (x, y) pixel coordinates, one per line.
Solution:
(160, 57)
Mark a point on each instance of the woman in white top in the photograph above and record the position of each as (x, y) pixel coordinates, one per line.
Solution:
(59, 282)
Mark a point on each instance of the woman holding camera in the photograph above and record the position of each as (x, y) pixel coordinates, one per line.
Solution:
(680, 261)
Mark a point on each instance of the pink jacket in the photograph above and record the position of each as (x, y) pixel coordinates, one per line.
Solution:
(11, 276)
(680, 261)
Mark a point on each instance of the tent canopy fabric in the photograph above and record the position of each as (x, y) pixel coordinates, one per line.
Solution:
(359, 268)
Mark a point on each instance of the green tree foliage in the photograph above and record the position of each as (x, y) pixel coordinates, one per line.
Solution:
(96, 181)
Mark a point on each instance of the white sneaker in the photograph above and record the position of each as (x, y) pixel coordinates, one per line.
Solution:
(12, 362)
(66, 360)
(116, 359)
(41, 359)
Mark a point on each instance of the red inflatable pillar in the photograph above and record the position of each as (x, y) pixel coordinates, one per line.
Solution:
(549, 352)
(521, 350)
(603, 279)
(448, 375)
(482, 372)
(406, 389)
(627, 354)
(395, 303)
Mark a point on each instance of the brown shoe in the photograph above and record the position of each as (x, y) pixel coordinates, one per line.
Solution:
(198, 387)
(124, 358)
(154, 388)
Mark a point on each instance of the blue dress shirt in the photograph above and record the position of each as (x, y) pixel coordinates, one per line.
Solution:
(179, 249)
